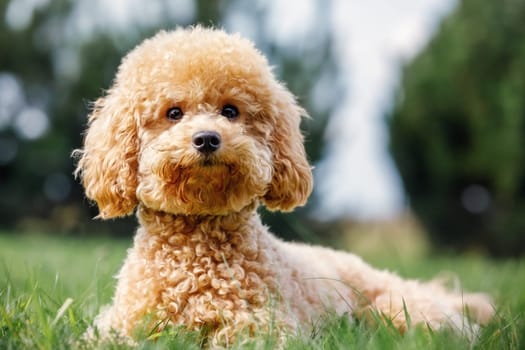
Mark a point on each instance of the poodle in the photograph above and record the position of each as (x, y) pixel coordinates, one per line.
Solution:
(194, 134)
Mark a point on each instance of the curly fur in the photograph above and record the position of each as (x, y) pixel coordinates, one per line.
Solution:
(202, 257)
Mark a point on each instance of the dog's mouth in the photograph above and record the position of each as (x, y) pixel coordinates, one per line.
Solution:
(209, 161)
(216, 166)
(208, 168)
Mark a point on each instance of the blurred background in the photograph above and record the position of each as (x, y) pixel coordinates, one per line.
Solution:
(418, 112)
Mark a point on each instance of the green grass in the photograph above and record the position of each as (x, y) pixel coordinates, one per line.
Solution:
(51, 288)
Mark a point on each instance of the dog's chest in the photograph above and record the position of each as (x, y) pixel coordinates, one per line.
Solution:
(203, 280)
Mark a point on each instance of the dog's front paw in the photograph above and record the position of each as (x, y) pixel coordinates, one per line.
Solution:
(94, 338)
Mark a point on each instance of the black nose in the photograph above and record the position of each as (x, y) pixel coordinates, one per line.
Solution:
(206, 141)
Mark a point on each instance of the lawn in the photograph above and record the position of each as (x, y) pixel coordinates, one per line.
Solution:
(51, 289)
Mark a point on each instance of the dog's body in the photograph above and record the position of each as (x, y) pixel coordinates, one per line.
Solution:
(196, 132)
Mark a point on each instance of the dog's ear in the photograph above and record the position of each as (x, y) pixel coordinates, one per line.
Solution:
(292, 175)
(108, 163)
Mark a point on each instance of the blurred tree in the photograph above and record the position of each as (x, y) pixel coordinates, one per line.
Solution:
(49, 73)
(36, 188)
(458, 127)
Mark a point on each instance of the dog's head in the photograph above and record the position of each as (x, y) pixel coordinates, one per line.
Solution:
(195, 123)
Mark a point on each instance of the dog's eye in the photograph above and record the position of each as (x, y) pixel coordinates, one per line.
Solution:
(174, 113)
(230, 111)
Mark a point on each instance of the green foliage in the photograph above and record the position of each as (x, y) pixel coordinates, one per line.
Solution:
(457, 130)
(53, 288)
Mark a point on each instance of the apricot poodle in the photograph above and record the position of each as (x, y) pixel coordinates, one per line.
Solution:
(195, 134)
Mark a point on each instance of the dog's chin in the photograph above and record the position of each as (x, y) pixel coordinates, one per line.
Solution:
(206, 187)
